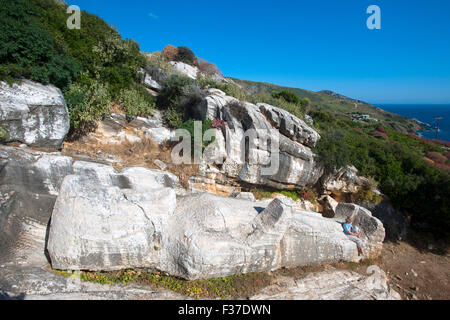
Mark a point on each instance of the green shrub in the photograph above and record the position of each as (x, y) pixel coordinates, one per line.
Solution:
(174, 118)
(368, 195)
(333, 150)
(291, 194)
(185, 55)
(87, 102)
(28, 50)
(289, 96)
(3, 133)
(157, 60)
(179, 94)
(136, 103)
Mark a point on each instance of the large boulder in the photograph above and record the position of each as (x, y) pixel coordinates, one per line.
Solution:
(245, 159)
(33, 114)
(107, 228)
(289, 125)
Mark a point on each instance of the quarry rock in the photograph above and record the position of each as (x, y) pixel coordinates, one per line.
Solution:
(245, 161)
(33, 114)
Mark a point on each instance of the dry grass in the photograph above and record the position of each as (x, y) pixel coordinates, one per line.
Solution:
(132, 154)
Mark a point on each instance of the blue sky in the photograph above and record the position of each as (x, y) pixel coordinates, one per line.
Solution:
(314, 45)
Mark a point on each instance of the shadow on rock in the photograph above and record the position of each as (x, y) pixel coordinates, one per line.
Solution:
(6, 296)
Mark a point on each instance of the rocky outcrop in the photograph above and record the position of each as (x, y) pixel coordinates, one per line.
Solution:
(33, 114)
(117, 129)
(372, 229)
(27, 282)
(289, 125)
(160, 135)
(185, 69)
(141, 225)
(331, 284)
(245, 159)
(344, 180)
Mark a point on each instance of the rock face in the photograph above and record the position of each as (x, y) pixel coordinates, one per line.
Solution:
(331, 285)
(244, 157)
(33, 114)
(29, 185)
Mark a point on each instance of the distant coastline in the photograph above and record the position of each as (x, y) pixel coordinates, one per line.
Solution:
(425, 114)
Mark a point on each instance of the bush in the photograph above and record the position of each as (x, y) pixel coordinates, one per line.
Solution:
(287, 95)
(189, 126)
(186, 55)
(368, 195)
(136, 103)
(174, 118)
(209, 68)
(308, 194)
(333, 149)
(28, 50)
(179, 94)
(87, 102)
(157, 61)
(437, 157)
(3, 133)
(170, 53)
(305, 102)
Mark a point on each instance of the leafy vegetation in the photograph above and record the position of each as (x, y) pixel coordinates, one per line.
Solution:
(289, 96)
(178, 95)
(136, 102)
(37, 45)
(186, 55)
(3, 132)
(416, 187)
(87, 101)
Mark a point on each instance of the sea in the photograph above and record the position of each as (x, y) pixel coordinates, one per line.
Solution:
(425, 113)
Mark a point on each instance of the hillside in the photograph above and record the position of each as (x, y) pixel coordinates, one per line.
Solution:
(338, 105)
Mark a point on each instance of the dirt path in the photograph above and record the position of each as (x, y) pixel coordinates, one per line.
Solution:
(416, 274)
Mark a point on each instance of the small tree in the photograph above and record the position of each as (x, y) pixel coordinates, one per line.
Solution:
(186, 55)
(170, 53)
(209, 68)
